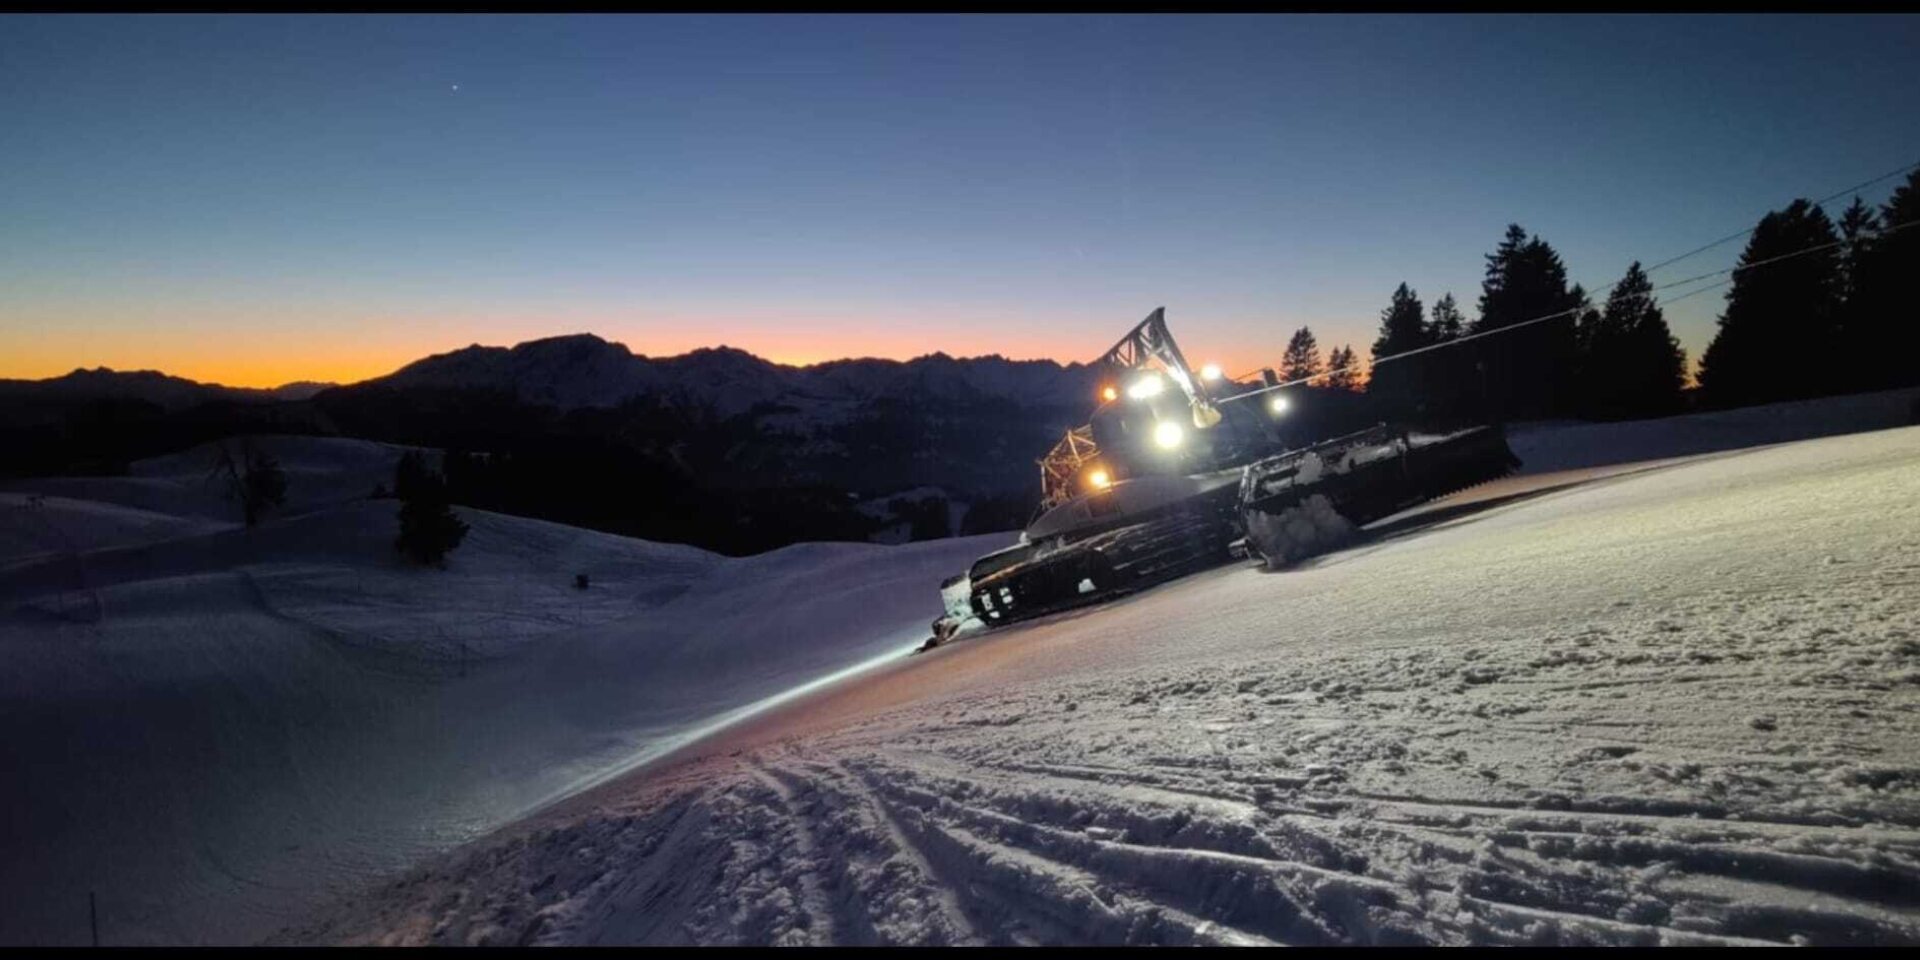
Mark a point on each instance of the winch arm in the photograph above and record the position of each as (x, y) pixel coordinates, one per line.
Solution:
(1150, 340)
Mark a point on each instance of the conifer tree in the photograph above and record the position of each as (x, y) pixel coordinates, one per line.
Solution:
(1493, 288)
(1902, 209)
(1860, 322)
(1898, 258)
(1586, 321)
(1447, 323)
(1451, 381)
(1527, 372)
(1658, 366)
(1779, 313)
(1403, 327)
(1879, 316)
(1342, 372)
(1302, 359)
(429, 529)
(1858, 224)
(1632, 364)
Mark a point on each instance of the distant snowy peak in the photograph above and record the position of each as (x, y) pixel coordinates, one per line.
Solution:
(583, 370)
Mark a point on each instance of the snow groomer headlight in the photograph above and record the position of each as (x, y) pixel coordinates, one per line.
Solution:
(1147, 386)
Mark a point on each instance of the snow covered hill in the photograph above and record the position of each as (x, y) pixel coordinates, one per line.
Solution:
(1672, 703)
(212, 728)
(320, 471)
(174, 496)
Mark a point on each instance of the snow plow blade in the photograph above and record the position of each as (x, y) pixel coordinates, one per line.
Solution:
(1307, 501)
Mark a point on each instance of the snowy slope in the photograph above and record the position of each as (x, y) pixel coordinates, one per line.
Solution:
(1545, 447)
(216, 727)
(1671, 705)
(321, 471)
(40, 527)
(212, 727)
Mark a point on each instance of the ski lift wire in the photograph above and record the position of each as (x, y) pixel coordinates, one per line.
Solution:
(1355, 366)
(1702, 249)
(1819, 203)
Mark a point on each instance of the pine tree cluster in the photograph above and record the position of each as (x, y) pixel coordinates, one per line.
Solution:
(1789, 304)
(1802, 285)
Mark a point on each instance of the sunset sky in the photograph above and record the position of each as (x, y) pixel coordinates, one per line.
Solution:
(255, 200)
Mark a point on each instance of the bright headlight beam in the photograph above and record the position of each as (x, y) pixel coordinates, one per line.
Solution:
(1168, 435)
(1210, 372)
(1146, 386)
(1278, 405)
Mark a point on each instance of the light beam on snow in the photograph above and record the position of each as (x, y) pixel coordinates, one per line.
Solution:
(662, 747)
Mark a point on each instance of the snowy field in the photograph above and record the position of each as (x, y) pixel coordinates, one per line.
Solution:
(1672, 701)
(213, 729)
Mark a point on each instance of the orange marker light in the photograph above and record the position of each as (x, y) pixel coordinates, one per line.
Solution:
(1109, 393)
(1099, 480)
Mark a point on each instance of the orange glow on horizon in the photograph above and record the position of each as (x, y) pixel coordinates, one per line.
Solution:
(232, 367)
(245, 364)
(350, 349)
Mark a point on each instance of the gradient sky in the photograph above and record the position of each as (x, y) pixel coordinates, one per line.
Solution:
(253, 200)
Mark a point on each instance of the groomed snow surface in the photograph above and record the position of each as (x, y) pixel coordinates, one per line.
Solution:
(1641, 695)
(1670, 702)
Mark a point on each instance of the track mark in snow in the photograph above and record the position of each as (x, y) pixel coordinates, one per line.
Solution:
(905, 864)
(650, 900)
(1039, 897)
(818, 914)
(1244, 886)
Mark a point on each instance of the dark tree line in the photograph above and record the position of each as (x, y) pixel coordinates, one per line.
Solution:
(1806, 285)
(1325, 397)
(1813, 308)
(1539, 347)
(1302, 364)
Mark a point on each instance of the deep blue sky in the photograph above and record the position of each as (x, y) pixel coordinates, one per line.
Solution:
(255, 199)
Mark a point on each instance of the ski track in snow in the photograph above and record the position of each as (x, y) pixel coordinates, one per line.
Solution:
(1676, 707)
